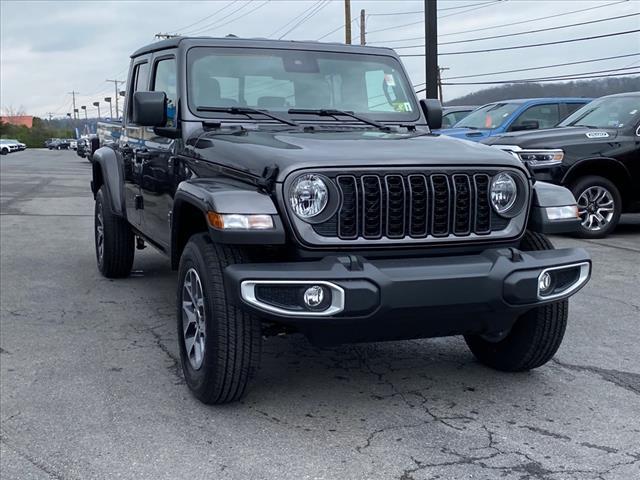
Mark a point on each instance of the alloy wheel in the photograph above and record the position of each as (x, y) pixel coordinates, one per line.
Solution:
(596, 208)
(99, 232)
(193, 318)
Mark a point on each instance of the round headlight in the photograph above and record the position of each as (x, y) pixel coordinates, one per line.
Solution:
(308, 195)
(504, 192)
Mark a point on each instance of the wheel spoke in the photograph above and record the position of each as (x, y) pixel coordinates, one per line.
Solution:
(193, 318)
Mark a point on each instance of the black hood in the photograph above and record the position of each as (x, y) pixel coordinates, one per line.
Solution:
(554, 137)
(251, 151)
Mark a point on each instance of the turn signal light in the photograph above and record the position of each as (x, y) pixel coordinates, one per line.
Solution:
(236, 221)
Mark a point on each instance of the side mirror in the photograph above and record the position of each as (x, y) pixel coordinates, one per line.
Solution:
(526, 125)
(432, 110)
(149, 109)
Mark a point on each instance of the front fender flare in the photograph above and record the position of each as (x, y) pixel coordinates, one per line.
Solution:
(107, 171)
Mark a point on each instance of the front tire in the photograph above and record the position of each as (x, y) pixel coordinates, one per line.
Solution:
(535, 336)
(599, 206)
(219, 343)
(114, 239)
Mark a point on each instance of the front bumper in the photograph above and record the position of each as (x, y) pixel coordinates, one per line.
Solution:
(383, 299)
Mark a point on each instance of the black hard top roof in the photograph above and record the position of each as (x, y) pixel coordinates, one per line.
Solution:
(258, 43)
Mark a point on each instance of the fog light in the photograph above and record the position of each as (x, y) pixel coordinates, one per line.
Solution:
(313, 296)
(544, 283)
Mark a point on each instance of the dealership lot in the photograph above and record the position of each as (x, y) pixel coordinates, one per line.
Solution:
(91, 386)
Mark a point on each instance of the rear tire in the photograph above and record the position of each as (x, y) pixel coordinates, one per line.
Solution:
(114, 239)
(219, 343)
(535, 336)
(599, 199)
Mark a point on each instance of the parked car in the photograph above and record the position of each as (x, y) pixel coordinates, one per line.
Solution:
(290, 198)
(513, 116)
(58, 144)
(452, 115)
(595, 153)
(21, 146)
(8, 146)
(49, 141)
(73, 143)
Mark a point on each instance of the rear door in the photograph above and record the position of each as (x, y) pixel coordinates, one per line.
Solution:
(157, 183)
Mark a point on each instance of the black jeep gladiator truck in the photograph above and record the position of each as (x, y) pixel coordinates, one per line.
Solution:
(595, 152)
(296, 187)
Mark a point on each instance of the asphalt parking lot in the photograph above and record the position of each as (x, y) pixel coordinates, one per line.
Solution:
(91, 386)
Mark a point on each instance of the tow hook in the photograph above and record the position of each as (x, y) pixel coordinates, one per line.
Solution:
(140, 245)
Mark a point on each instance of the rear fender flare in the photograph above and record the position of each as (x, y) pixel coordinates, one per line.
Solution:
(107, 171)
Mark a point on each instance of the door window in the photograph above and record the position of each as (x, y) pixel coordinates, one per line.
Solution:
(165, 81)
(139, 82)
(546, 115)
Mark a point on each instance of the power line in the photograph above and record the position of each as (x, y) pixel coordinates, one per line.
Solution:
(540, 81)
(548, 29)
(208, 16)
(591, 60)
(443, 16)
(312, 13)
(422, 11)
(240, 16)
(515, 47)
(526, 33)
(532, 19)
(295, 17)
(338, 28)
(203, 28)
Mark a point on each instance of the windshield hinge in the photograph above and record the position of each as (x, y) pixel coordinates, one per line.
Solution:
(268, 179)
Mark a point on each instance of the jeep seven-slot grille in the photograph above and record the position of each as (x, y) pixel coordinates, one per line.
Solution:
(397, 206)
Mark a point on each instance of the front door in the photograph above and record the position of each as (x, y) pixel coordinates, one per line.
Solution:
(157, 180)
(131, 140)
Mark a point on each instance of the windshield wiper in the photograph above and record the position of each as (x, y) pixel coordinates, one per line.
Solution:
(247, 111)
(329, 112)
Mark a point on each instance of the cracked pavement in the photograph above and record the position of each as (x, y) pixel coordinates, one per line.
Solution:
(91, 386)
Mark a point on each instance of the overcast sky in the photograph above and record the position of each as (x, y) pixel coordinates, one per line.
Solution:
(49, 48)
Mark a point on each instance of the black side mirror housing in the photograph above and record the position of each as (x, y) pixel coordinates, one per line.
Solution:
(432, 110)
(95, 145)
(149, 109)
(526, 125)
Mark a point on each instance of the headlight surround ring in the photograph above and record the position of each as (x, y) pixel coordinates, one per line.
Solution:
(507, 194)
(308, 196)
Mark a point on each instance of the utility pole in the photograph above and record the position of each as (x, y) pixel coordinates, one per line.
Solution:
(431, 47)
(73, 93)
(116, 82)
(362, 28)
(440, 70)
(347, 22)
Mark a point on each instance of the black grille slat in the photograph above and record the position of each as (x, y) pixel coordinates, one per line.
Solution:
(371, 206)
(440, 203)
(482, 224)
(418, 206)
(348, 216)
(462, 204)
(396, 206)
(412, 205)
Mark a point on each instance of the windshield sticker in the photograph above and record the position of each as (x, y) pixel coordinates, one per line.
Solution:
(597, 134)
(389, 80)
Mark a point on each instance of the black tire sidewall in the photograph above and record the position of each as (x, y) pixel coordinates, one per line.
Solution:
(582, 184)
(192, 258)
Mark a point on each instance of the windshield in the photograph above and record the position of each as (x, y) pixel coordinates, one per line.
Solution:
(280, 80)
(489, 116)
(612, 112)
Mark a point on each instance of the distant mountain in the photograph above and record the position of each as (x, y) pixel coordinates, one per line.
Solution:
(580, 88)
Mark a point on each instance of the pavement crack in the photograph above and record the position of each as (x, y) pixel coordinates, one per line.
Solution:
(39, 464)
(547, 433)
(628, 380)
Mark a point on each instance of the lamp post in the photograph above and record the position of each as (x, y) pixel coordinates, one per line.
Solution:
(108, 100)
(84, 107)
(97, 104)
